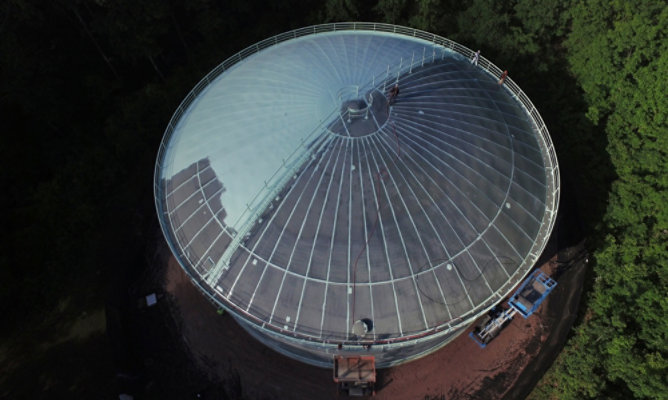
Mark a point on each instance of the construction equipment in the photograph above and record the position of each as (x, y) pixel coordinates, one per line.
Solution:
(532, 292)
(356, 375)
(524, 301)
(491, 326)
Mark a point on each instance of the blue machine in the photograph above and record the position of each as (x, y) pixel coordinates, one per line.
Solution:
(491, 326)
(525, 301)
(532, 292)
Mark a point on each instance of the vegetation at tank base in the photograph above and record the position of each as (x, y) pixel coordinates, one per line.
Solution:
(87, 88)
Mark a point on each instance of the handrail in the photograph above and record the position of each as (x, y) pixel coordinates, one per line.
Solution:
(549, 154)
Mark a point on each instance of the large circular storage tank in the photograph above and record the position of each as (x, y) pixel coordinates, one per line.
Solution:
(302, 197)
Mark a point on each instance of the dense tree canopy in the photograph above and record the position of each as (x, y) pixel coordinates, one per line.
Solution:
(87, 88)
(619, 54)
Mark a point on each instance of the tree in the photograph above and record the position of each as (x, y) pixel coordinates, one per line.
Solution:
(618, 53)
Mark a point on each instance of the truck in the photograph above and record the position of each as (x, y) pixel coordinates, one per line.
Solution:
(355, 375)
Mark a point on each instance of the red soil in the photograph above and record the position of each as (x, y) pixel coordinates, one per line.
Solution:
(461, 370)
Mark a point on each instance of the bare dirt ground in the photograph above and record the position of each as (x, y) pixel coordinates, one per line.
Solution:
(241, 367)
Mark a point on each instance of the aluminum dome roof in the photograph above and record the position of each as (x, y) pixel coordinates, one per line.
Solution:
(301, 198)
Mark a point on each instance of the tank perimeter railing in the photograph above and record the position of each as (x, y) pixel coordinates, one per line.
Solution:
(549, 155)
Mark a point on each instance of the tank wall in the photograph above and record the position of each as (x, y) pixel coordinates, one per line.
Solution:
(320, 354)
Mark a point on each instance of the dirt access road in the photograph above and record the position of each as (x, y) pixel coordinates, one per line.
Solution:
(508, 368)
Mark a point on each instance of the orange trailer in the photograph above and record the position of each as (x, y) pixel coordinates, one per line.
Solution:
(356, 375)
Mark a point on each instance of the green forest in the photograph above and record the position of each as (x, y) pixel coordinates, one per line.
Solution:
(87, 88)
